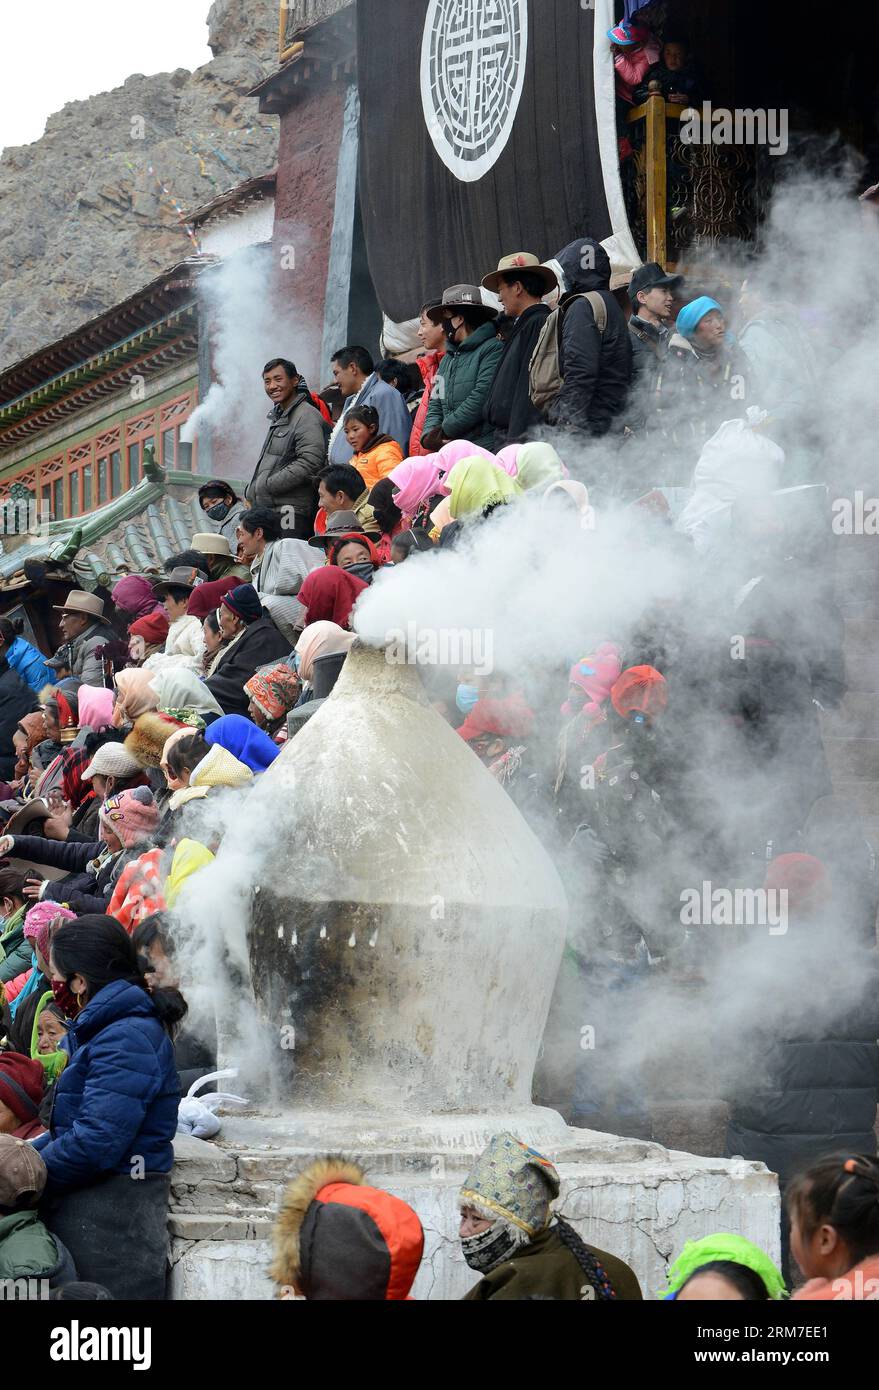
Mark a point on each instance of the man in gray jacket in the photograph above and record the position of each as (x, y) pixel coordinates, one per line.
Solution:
(84, 631)
(293, 453)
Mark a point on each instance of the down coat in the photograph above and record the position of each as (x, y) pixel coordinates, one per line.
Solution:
(115, 1104)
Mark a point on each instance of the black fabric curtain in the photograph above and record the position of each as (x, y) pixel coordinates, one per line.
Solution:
(425, 229)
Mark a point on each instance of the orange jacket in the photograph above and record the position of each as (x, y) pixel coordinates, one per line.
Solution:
(860, 1285)
(376, 463)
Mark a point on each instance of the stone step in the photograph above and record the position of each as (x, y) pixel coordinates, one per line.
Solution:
(856, 717)
(862, 672)
(853, 759)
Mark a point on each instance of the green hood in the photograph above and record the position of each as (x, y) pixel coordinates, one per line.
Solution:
(724, 1246)
(27, 1250)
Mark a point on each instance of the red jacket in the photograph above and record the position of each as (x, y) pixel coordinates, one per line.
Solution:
(428, 365)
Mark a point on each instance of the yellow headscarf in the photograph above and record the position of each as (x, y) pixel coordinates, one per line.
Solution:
(538, 465)
(478, 483)
(189, 857)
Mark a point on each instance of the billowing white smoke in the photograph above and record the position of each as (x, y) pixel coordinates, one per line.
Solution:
(251, 315)
(541, 593)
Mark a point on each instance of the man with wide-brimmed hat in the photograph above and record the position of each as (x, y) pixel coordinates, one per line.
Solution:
(520, 283)
(85, 631)
(466, 373)
(218, 554)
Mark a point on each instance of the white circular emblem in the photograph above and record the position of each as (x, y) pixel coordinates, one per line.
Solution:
(472, 73)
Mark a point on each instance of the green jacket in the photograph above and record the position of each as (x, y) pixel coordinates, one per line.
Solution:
(16, 954)
(546, 1268)
(462, 387)
(27, 1250)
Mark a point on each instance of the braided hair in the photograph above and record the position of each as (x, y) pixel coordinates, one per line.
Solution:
(843, 1191)
(594, 1270)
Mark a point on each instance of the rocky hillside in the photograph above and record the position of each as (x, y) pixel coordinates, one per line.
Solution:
(87, 213)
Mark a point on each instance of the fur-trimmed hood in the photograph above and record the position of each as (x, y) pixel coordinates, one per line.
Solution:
(335, 1238)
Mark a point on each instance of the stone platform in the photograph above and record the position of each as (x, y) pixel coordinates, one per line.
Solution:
(637, 1200)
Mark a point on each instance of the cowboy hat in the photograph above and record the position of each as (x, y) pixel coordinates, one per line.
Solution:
(520, 260)
(337, 525)
(182, 577)
(78, 601)
(211, 543)
(458, 297)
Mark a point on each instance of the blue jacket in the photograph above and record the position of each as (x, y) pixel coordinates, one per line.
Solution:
(30, 664)
(115, 1103)
(393, 417)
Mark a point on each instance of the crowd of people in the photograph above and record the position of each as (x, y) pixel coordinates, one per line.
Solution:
(172, 694)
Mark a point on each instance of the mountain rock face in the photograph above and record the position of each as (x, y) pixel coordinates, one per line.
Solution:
(90, 212)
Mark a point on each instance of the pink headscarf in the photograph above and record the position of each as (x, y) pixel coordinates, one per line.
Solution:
(37, 921)
(595, 675)
(416, 479)
(508, 459)
(453, 453)
(95, 707)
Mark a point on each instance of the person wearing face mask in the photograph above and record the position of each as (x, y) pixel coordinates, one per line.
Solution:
(355, 553)
(222, 506)
(466, 373)
(510, 1235)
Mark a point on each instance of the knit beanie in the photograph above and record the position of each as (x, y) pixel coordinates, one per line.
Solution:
(244, 602)
(22, 1083)
(132, 815)
(38, 920)
(153, 628)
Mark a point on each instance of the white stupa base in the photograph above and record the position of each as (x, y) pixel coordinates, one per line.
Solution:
(636, 1200)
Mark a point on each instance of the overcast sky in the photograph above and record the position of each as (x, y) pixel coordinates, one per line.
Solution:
(54, 51)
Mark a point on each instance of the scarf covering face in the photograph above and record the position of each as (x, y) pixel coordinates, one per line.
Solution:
(241, 737)
(416, 480)
(370, 552)
(329, 594)
(539, 465)
(507, 718)
(274, 692)
(134, 595)
(136, 695)
(596, 676)
(477, 484)
(320, 639)
(95, 707)
(181, 689)
(490, 1248)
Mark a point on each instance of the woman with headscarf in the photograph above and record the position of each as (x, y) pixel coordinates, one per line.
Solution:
(355, 553)
(147, 636)
(134, 597)
(319, 639)
(29, 731)
(568, 496)
(181, 694)
(478, 486)
(508, 459)
(538, 466)
(330, 594)
(272, 695)
(95, 707)
(453, 453)
(244, 740)
(135, 694)
(417, 488)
